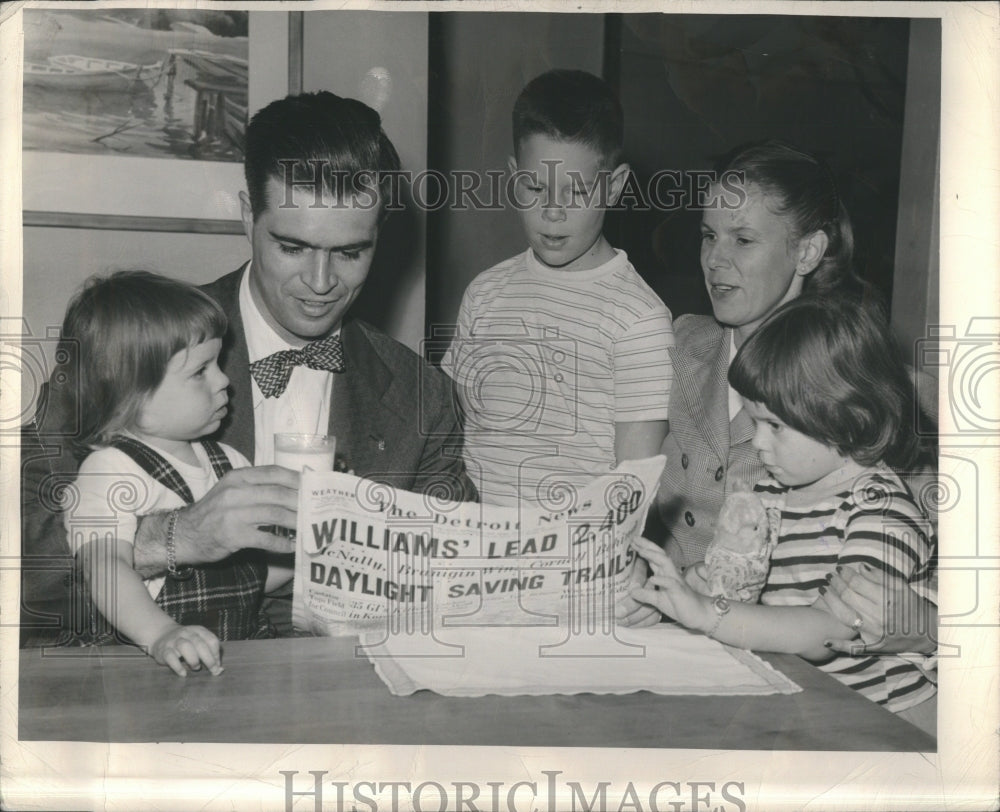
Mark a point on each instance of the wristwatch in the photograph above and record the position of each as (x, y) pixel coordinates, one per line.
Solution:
(721, 605)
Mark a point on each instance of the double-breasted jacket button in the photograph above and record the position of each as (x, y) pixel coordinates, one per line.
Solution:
(684, 461)
(689, 518)
(719, 474)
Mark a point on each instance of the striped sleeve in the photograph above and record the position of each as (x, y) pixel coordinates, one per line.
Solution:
(643, 371)
(461, 332)
(887, 531)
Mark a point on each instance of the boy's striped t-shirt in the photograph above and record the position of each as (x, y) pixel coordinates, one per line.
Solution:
(875, 522)
(546, 362)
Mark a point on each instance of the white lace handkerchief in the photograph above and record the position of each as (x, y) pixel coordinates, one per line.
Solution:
(512, 661)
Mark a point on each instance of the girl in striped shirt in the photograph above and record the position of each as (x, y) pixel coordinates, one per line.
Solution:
(832, 406)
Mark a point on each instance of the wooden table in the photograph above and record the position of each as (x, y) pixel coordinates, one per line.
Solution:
(315, 690)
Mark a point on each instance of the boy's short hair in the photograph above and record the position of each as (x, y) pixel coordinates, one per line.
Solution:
(123, 330)
(297, 136)
(572, 105)
(828, 367)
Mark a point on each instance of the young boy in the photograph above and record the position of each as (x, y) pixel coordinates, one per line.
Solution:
(561, 353)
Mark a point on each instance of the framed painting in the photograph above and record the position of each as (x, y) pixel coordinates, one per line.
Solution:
(133, 100)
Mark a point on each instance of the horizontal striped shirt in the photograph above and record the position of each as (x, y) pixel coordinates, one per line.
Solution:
(876, 522)
(546, 362)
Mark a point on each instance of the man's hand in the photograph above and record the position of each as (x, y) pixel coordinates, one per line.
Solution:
(226, 519)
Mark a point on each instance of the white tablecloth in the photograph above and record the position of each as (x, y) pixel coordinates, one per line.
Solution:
(511, 661)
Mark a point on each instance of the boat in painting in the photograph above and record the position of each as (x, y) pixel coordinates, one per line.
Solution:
(71, 72)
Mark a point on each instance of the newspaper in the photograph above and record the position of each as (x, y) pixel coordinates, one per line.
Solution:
(370, 556)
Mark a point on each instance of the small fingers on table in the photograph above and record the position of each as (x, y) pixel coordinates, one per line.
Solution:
(189, 649)
(197, 650)
(172, 659)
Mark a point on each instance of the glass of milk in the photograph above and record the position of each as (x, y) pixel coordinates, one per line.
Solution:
(302, 452)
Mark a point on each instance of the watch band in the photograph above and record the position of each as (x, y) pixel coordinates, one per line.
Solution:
(722, 606)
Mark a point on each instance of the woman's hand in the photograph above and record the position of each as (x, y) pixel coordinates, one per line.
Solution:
(889, 616)
(667, 591)
(194, 645)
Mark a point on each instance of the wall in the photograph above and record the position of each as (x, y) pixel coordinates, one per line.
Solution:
(695, 87)
(381, 58)
(479, 63)
(915, 293)
(58, 260)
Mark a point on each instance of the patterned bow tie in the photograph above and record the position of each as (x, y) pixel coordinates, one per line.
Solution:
(272, 373)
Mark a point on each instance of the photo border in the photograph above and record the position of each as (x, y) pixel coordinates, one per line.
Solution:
(964, 773)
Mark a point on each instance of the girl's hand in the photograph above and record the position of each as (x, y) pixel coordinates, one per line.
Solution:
(696, 577)
(894, 619)
(667, 590)
(628, 611)
(194, 645)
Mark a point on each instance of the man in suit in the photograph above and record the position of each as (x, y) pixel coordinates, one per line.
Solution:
(319, 170)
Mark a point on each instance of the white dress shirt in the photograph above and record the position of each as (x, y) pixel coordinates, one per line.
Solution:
(304, 407)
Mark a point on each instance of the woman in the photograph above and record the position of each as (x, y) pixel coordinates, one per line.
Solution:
(780, 229)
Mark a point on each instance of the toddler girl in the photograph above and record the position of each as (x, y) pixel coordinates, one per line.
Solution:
(149, 387)
(833, 408)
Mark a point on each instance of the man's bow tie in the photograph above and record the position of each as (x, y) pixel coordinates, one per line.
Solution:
(272, 373)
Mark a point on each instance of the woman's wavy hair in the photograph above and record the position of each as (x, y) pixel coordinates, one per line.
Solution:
(829, 368)
(803, 188)
(123, 330)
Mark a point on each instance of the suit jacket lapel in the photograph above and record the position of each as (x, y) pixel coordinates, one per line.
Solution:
(361, 411)
(700, 368)
(742, 429)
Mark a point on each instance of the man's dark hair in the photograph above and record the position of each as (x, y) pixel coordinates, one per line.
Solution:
(319, 135)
